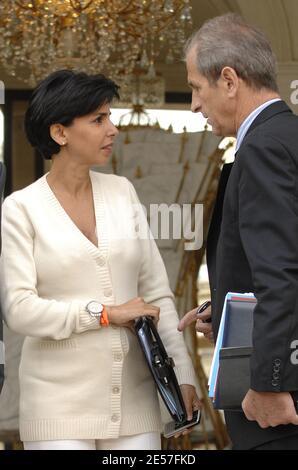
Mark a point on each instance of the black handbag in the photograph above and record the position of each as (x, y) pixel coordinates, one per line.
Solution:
(161, 367)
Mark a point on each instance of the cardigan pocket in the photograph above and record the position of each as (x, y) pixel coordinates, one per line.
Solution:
(58, 344)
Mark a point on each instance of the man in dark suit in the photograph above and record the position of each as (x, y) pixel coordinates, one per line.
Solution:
(2, 183)
(252, 243)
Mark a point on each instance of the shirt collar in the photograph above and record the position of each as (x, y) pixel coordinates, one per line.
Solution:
(242, 131)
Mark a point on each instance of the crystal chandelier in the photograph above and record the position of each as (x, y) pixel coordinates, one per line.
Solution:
(122, 38)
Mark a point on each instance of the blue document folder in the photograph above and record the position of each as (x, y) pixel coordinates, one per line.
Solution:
(229, 375)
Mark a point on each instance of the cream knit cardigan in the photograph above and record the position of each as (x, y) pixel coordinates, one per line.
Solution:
(77, 380)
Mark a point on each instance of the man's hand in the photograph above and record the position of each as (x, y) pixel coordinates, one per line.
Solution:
(201, 326)
(269, 408)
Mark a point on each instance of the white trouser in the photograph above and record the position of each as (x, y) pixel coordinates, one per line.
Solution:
(147, 441)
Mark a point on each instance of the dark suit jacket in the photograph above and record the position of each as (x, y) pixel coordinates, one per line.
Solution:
(214, 229)
(257, 251)
(2, 182)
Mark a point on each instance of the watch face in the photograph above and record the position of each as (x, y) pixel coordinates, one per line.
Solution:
(95, 308)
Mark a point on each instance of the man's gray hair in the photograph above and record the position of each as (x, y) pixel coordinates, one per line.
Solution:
(228, 40)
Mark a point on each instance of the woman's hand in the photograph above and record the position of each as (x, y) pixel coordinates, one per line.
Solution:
(191, 402)
(125, 314)
(190, 398)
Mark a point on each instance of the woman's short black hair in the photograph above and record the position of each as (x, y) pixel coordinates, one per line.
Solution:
(60, 98)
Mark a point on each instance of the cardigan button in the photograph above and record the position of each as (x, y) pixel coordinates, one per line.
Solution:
(116, 390)
(115, 418)
(101, 261)
(118, 357)
(108, 293)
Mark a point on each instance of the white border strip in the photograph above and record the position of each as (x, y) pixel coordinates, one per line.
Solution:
(2, 353)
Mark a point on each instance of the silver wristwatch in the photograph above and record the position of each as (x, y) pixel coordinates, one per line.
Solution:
(95, 309)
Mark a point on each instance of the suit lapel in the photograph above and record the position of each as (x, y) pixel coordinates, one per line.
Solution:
(214, 229)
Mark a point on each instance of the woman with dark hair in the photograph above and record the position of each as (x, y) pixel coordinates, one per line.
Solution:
(76, 274)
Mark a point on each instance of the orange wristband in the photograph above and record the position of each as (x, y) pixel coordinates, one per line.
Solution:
(104, 321)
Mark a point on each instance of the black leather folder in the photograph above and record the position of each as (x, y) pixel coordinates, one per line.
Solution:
(233, 379)
(161, 367)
